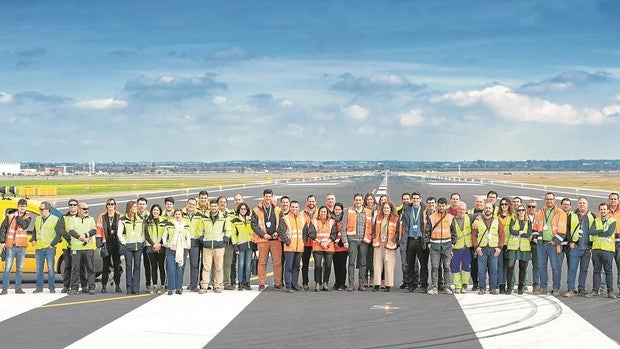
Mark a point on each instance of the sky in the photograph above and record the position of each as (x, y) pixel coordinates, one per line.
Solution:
(309, 80)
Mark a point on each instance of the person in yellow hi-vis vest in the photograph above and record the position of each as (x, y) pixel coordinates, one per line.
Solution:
(44, 238)
(603, 249)
(82, 229)
(461, 259)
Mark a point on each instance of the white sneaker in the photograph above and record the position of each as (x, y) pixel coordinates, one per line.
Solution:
(432, 290)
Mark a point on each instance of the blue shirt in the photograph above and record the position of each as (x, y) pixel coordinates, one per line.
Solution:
(414, 223)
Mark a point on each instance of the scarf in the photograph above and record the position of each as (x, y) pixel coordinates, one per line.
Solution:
(179, 242)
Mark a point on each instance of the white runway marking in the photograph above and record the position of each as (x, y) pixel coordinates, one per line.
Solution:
(312, 184)
(15, 304)
(529, 321)
(189, 320)
(454, 184)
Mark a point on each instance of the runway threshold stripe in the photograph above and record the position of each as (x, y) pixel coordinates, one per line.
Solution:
(189, 320)
(15, 304)
(528, 321)
(96, 300)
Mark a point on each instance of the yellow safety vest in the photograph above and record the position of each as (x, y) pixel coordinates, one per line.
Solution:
(463, 237)
(490, 237)
(45, 231)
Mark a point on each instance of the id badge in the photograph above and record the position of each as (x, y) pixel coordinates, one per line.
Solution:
(383, 238)
(545, 227)
(268, 224)
(73, 252)
(415, 227)
(580, 232)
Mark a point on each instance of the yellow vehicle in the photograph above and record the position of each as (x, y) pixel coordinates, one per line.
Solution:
(8, 204)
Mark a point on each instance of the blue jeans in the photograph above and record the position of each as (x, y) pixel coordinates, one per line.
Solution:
(546, 251)
(132, 270)
(581, 258)
(19, 255)
(291, 268)
(244, 264)
(602, 260)
(502, 269)
(194, 263)
(487, 260)
(40, 256)
(174, 271)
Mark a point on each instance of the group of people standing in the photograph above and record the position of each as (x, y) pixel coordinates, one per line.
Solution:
(219, 243)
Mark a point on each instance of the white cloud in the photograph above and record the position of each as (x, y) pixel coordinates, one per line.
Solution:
(355, 112)
(231, 54)
(100, 104)
(611, 110)
(411, 118)
(513, 106)
(366, 130)
(285, 103)
(5, 98)
(219, 100)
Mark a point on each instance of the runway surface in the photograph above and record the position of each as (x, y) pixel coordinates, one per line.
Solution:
(273, 319)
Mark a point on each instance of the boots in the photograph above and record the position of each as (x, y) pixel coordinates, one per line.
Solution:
(502, 289)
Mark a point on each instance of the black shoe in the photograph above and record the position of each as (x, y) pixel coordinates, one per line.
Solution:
(387, 289)
(103, 289)
(502, 289)
(475, 288)
(84, 290)
(117, 289)
(179, 291)
(403, 286)
(170, 293)
(376, 288)
(91, 291)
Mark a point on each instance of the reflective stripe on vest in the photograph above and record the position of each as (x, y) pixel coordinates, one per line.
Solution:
(391, 232)
(294, 231)
(16, 235)
(133, 231)
(323, 231)
(463, 237)
(603, 243)
(441, 227)
(352, 221)
(81, 226)
(516, 242)
(491, 236)
(46, 231)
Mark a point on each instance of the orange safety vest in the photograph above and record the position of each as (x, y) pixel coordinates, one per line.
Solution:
(352, 221)
(558, 222)
(260, 215)
(323, 231)
(294, 231)
(441, 227)
(391, 233)
(16, 236)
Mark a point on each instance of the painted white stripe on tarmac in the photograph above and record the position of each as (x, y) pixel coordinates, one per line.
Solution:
(189, 320)
(15, 304)
(529, 321)
(313, 184)
(454, 184)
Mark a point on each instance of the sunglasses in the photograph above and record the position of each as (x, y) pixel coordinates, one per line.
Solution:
(504, 204)
(42, 208)
(110, 204)
(84, 208)
(521, 210)
(72, 204)
(530, 206)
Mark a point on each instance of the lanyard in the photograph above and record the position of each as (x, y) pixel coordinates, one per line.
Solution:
(548, 215)
(416, 218)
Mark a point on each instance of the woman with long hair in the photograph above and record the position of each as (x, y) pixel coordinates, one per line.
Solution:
(155, 227)
(131, 238)
(322, 247)
(340, 252)
(384, 239)
(519, 248)
(177, 241)
(242, 244)
(505, 215)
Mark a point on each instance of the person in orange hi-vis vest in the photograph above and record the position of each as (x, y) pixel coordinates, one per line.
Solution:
(13, 238)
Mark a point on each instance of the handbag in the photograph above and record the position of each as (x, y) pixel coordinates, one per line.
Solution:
(254, 264)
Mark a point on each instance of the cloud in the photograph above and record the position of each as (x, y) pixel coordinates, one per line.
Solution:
(366, 130)
(218, 100)
(566, 81)
(232, 54)
(101, 104)
(171, 87)
(266, 100)
(355, 112)
(375, 82)
(34, 96)
(5, 98)
(612, 110)
(509, 105)
(411, 118)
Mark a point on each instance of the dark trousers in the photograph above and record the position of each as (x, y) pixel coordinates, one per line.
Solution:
(602, 260)
(474, 267)
(322, 267)
(305, 265)
(67, 270)
(194, 263)
(416, 252)
(83, 259)
(510, 268)
(158, 262)
(340, 269)
(132, 270)
(147, 267)
(291, 269)
(113, 259)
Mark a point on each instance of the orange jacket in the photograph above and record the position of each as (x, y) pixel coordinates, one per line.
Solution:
(323, 233)
(291, 232)
(350, 228)
(16, 234)
(391, 241)
(441, 223)
(308, 218)
(258, 221)
(558, 223)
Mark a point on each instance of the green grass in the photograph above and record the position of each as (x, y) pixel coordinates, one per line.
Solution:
(94, 185)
